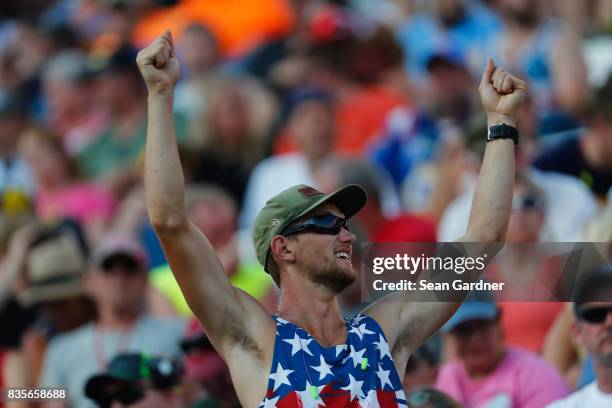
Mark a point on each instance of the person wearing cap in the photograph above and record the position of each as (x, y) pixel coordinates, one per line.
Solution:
(42, 272)
(593, 330)
(137, 380)
(310, 128)
(117, 282)
(307, 353)
(53, 272)
(485, 371)
(207, 380)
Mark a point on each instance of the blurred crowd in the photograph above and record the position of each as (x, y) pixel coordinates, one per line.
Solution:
(382, 93)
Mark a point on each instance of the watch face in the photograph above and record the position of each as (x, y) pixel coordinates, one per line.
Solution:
(489, 134)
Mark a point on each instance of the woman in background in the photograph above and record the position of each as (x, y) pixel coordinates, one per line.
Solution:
(60, 192)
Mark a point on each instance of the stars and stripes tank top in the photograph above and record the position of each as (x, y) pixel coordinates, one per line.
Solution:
(359, 373)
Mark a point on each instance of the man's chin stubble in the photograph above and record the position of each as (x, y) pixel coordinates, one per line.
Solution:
(334, 278)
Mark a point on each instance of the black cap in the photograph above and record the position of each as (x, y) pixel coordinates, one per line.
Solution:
(593, 286)
(120, 381)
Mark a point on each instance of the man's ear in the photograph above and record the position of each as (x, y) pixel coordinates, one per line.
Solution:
(576, 331)
(282, 248)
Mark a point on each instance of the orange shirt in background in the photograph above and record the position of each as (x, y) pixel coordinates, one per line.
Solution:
(360, 118)
(526, 324)
(239, 25)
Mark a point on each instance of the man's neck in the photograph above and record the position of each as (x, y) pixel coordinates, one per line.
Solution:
(603, 374)
(113, 319)
(314, 309)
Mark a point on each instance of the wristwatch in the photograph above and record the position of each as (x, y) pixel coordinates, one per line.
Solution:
(503, 132)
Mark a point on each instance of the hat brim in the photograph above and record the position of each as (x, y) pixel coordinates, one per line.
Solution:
(47, 293)
(471, 311)
(349, 200)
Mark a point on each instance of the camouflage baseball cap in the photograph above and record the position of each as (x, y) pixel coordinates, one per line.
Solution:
(289, 205)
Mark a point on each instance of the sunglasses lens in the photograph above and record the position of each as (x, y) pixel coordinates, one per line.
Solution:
(329, 224)
(595, 315)
(323, 224)
(325, 221)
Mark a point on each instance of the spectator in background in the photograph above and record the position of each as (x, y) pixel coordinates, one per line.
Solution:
(587, 155)
(547, 53)
(569, 204)
(450, 90)
(461, 26)
(52, 272)
(214, 212)
(68, 96)
(407, 139)
(25, 50)
(16, 182)
(227, 138)
(593, 330)
(311, 126)
(375, 85)
(61, 194)
(356, 61)
(199, 50)
(560, 348)
(137, 380)
(486, 371)
(14, 318)
(526, 324)
(207, 381)
(120, 93)
(117, 283)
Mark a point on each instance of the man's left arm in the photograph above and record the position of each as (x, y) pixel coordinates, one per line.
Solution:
(409, 324)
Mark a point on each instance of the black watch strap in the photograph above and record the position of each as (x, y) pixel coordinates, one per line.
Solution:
(503, 132)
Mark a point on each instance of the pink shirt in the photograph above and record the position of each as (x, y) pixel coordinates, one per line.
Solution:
(522, 380)
(83, 202)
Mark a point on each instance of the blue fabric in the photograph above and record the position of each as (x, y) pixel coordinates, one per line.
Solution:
(422, 37)
(408, 139)
(587, 373)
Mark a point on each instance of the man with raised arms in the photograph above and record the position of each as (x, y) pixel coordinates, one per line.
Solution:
(307, 353)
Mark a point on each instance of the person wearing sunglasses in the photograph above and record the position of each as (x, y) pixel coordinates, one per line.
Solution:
(593, 330)
(116, 281)
(307, 354)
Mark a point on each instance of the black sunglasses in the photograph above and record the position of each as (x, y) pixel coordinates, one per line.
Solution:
(124, 262)
(321, 224)
(594, 314)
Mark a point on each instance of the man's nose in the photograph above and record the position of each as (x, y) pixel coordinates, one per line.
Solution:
(608, 321)
(347, 236)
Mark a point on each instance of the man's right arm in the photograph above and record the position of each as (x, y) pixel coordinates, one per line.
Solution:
(230, 316)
